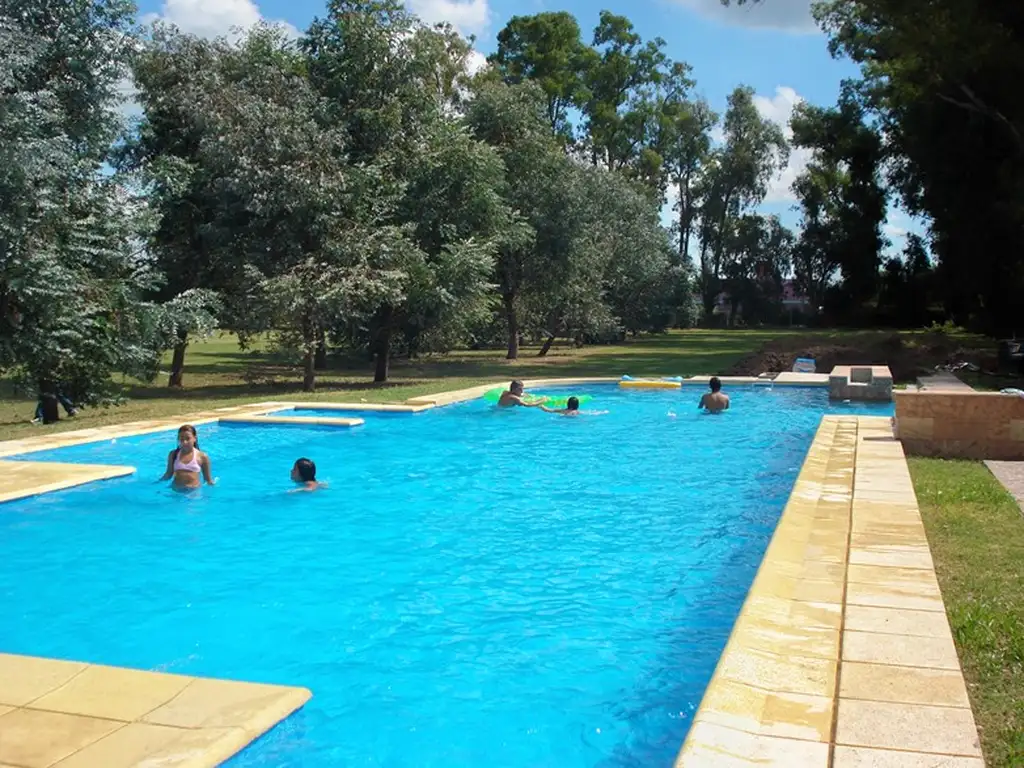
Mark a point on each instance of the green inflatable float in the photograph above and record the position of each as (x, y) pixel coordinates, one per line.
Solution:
(552, 401)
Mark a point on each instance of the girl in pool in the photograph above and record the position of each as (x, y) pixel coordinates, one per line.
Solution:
(186, 462)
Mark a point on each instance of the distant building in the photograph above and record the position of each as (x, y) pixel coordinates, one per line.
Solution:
(793, 301)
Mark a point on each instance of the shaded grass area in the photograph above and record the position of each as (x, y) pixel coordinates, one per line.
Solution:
(976, 533)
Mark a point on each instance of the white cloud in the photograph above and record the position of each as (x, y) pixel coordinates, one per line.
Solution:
(470, 17)
(784, 15)
(779, 109)
(894, 232)
(213, 18)
(475, 62)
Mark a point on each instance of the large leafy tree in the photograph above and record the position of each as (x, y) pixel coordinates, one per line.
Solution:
(737, 179)
(72, 274)
(546, 48)
(513, 120)
(621, 75)
(175, 74)
(947, 95)
(943, 81)
(315, 230)
(758, 255)
(394, 87)
(815, 258)
(850, 152)
(686, 148)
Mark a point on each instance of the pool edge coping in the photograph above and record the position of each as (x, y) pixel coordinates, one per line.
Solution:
(847, 584)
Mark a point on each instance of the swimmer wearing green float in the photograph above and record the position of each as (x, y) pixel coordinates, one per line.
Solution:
(514, 395)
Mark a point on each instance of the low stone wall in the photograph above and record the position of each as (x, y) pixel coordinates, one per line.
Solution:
(960, 425)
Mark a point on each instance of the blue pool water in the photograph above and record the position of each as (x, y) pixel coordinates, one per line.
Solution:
(477, 587)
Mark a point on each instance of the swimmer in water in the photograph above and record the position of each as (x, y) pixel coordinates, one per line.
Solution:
(304, 475)
(714, 401)
(513, 396)
(186, 463)
(572, 408)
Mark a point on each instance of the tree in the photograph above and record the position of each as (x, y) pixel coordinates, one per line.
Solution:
(621, 74)
(947, 98)
(758, 254)
(512, 119)
(316, 231)
(457, 218)
(815, 260)
(171, 72)
(644, 284)
(394, 87)
(546, 48)
(754, 149)
(72, 276)
(841, 140)
(687, 151)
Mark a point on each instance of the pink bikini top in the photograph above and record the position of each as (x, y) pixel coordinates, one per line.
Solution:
(190, 466)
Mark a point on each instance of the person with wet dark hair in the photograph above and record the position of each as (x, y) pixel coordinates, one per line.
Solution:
(572, 408)
(714, 401)
(304, 475)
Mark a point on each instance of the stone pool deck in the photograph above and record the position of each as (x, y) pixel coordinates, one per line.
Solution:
(842, 655)
(67, 714)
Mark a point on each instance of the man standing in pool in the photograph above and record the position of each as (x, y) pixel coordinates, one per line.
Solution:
(513, 396)
(714, 401)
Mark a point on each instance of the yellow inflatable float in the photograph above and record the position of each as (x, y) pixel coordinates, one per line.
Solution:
(650, 384)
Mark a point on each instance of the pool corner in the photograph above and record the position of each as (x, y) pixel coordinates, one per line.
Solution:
(95, 715)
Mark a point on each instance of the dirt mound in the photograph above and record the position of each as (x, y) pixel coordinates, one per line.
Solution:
(907, 355)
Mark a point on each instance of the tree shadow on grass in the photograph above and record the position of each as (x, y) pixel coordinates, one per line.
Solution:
(263, 390)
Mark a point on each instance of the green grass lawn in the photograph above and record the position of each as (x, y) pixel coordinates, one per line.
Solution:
(976, 533)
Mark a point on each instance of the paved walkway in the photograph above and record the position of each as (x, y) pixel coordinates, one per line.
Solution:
(943, 381)
(1011, 475)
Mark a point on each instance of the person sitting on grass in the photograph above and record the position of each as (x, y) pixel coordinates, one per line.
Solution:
(304, 475)
(714, 401)
(61, 398)
(572, 408)
(514, 395)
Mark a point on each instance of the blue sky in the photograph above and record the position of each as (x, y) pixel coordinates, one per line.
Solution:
(773, 47)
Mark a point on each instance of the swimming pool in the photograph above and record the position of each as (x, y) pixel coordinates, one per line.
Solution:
(478, 587)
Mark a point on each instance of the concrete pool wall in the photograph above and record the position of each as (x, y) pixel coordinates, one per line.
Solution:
(841, 656)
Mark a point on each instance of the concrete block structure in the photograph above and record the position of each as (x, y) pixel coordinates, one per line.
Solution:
(872, 383)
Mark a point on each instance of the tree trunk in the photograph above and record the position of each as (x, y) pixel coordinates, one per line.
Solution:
(310, 335)
(178, 361)
(547, 345)
(380, 374)
(513, 327)
(308, 371)
(320, 359)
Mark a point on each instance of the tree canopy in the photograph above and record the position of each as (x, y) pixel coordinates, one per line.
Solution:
(360, 189)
